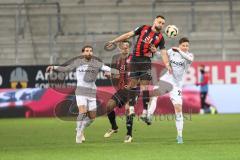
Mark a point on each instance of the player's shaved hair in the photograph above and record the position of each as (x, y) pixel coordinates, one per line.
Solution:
(160, 16)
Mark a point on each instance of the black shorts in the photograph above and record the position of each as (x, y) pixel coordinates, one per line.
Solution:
(140, 68)
(121, 97)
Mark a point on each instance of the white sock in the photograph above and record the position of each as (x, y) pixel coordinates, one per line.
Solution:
(80, 118)
(152, 106)
(85, 123)
(179, 123)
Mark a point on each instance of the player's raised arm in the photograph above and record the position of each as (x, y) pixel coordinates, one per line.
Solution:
(120, 38)
(67, 68)
(187, 56)
(125, 36)
(164, 55)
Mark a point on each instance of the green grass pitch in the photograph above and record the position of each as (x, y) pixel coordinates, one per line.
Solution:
(205, 137)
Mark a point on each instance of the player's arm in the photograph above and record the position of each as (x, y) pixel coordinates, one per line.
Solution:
(122, 37)
(126, 36)
(165, 59)
(109, 72)
(67, 68)
(187, 56)
(106, 70)
(163, 53)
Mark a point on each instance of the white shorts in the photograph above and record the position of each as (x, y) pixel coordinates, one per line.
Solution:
(89, 102)
(176, 95)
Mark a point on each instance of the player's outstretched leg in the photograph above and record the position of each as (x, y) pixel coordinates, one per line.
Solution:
(129, 125)
(151, 109)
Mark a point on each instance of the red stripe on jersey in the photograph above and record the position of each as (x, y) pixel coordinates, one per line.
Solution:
(148, 40)
(157, 40)
(140, 39)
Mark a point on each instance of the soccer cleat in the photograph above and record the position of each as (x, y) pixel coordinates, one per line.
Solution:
(79, 138)
(146, 119)
(179, 140)
(128, 139)
(110, 132)
(149, 119)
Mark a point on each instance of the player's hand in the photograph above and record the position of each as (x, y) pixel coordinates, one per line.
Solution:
(169, 68)
(49, 69)
(110, 44)
(153, 49)
(176, 49)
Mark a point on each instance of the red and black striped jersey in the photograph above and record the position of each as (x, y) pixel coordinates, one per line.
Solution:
(123, 65)
(146, 38)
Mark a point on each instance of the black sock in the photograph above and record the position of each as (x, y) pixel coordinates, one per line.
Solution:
(112, 120)
(129, 123)
(145, 99)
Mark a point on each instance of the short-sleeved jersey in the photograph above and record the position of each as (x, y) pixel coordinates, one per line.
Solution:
(146, 38)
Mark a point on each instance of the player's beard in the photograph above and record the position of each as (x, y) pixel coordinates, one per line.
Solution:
(88, 57)
(158, 29)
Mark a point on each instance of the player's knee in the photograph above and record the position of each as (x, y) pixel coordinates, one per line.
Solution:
(81, 116)
(178, 108)
(92, 115)
(82, 109)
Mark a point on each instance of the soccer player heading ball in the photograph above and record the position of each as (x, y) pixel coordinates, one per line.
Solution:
(149, 39)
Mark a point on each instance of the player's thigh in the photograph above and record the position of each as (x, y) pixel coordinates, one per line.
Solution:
(145, 70)
(111, 104)
(176, 96)
(81, 103)
(120, 98)
(92, 104)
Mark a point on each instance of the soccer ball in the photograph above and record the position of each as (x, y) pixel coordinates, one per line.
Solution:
(171, 31)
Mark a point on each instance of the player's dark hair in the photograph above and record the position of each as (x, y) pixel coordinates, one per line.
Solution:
(86, 46)
(184, 39)
(160, 16)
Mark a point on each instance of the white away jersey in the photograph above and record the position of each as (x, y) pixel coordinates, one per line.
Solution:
(179, 66)
(86, 71)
